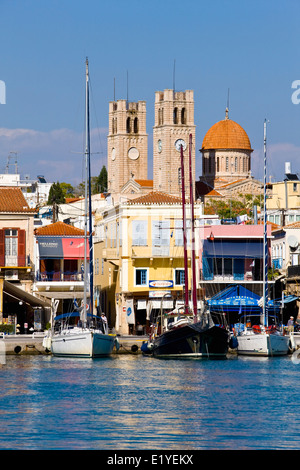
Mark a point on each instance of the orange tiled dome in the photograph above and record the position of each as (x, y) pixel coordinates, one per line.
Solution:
(226, 134)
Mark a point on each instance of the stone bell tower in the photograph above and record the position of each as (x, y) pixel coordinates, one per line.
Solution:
(174, 122)
(127, 143)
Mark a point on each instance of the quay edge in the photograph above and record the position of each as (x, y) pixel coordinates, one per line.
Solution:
(32, 344)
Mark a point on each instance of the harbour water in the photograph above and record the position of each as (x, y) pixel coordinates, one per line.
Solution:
(133, 402)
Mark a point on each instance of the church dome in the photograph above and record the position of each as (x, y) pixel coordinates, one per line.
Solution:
(226, 134)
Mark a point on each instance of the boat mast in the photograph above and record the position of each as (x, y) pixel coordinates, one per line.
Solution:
(265, 270)
(91, 255)
(87, 176)
(186, 280)
(194, 291)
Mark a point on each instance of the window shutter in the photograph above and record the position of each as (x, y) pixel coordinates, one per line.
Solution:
(21, 248)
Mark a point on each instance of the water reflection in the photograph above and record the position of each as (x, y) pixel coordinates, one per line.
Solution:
(132, 402)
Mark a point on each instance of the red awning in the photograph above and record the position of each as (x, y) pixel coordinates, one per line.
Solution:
(73, 248)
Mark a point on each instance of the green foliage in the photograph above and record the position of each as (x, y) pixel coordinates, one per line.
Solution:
(67, 189)
(232, 208)
(7, 329)
(102, 180)
(56, 194)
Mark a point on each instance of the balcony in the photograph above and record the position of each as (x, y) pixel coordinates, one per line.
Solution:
(58, 276)
(156, 252)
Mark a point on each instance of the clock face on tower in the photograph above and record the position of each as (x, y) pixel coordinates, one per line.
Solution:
(179, 143)
(159, 145)
(133, 153)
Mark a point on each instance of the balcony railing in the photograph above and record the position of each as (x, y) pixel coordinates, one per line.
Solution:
(59, 276)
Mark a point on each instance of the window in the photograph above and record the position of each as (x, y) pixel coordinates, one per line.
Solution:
(161, 232)
(227, 163)
(141, 277)
(179, 277)
(139, 232)
(175, 116)
(11, 247)
(128, 126)
(295, 187)
(222, 267)
(135, 125)
(183, 116)
(179, 232)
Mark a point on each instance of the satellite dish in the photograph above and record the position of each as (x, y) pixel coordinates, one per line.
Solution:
(292, 241)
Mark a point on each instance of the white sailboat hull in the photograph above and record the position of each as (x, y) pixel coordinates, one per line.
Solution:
(264, 344)
(82, 343)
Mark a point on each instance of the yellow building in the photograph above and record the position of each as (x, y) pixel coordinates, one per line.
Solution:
(139, 265)
(283, 202)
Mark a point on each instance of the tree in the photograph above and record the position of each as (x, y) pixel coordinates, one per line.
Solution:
(102, 180)
(67, 189)
(56, 194)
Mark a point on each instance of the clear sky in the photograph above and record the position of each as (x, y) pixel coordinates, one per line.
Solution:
(250, 47)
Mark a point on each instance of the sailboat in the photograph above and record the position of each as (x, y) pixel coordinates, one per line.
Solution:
(88, 337)
(186, 334)
(263, 340)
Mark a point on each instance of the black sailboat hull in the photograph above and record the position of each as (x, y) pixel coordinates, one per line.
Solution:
(192, 340)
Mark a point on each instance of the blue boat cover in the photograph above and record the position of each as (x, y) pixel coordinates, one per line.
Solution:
(237, 298)
(72, 314)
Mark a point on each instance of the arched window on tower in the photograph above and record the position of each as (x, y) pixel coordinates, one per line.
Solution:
(128, 126)
(183, 116)
(175, 116)
(136, 125)
(236, 164)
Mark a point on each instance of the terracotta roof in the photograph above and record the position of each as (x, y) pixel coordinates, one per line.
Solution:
(293, 225)
(272, 225)
(148, 183)
(226, 134)
(59, 229)
(13, 200)
(213, 193)
(69, 200)
(156, 197)
(233, 183)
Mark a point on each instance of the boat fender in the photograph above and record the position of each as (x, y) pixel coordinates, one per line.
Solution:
(233, 342)
(292, 347)
(134, 348)
(146, 347)
(117, 344)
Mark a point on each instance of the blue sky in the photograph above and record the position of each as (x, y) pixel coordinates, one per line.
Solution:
(248, 47)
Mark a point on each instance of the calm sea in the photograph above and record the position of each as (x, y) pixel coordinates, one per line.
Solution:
(135, 402)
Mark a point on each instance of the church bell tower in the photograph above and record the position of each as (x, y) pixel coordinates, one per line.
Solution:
(174, 122)
(127, 143)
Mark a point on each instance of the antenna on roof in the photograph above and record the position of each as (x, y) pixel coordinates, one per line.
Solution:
(227, 109)
(127, 87)
(114, 89)
(174, 76)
